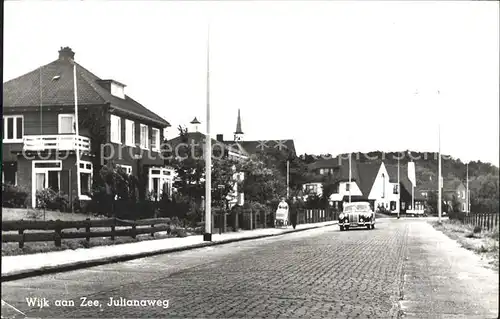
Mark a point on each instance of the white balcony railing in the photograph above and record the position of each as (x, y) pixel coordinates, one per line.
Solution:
(61, 142)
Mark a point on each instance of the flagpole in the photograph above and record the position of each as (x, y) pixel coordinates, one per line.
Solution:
(350, 177)
(208, 156)
(399, 191)
(439, 176)
(77, 151)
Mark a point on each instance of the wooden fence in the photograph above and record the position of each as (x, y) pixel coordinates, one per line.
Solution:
(483, 220)
(248, 219)
(58, 227)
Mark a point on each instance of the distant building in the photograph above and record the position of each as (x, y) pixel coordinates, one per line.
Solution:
(269, 147)
(374, 182)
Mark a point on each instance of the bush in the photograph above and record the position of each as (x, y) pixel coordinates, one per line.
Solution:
(179, 232)
(49, 199)
(14, 196)
(477, 229)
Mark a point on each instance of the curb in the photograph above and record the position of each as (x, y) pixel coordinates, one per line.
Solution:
(114, 259)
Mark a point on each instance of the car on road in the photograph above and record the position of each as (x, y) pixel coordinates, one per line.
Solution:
(357, 214)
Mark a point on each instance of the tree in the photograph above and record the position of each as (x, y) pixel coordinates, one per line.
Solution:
(95, 120)
(484, 193)
(224, 182)
(262, 184)
(432, 199)
(190, 179)
(330, 185)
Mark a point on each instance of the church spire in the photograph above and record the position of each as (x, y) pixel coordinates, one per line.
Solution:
(238, 134)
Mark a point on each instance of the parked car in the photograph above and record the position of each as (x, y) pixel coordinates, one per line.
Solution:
(357, 214)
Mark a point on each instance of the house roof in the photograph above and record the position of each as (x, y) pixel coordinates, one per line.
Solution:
(367, 174)
(428, 186)
(392, 170)
(452, 185)
(324, 163)
(197, 138)
(267, 147)
(54, 82)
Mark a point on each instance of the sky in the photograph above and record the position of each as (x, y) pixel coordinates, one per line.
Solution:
(333, 76)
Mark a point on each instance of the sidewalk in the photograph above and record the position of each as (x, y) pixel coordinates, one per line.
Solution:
(444, 280)
(22, 266)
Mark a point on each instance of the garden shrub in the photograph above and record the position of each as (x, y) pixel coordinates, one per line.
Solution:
(49, 199)
(14, 196)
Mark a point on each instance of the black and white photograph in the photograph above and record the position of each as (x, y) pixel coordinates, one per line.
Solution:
(250, 159)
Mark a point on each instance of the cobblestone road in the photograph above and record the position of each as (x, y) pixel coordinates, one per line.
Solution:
(322, 273)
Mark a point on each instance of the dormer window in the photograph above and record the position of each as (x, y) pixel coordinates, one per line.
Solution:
(118, 90)
(115, 88)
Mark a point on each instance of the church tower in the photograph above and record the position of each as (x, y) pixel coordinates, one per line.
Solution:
(238, 134)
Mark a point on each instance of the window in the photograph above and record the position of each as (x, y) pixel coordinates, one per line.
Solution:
(85, 179)
(129, 133)
(116, 129)
(54, 179)
(155, 140)
(347, 187)
(463, 207)
(126, 168)
(13, 129)
(393, 205)
(45, 174)
(395, 190)
(117, 90)
(67, 124)
(144, 136)
(321, 171)
(336, 189)
(160, 182)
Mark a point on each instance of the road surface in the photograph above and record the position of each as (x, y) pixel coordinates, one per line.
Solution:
(403, 268)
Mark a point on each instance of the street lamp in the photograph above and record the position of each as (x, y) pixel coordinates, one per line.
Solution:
(207, 236)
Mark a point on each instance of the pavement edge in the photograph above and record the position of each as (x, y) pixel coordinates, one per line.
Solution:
(114, 259)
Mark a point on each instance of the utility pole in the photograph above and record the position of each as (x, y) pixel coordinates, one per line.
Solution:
(350, 177)
(440, 181)
(207, 236)
(467, 191)
(399, 191)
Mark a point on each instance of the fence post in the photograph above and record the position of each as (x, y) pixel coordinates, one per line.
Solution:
(152, 231)
(57, 235)
(21, 240)
(87, 229)
(134, 227)
(113, 226)
(251, 219)
(224, 221)
(213, 223)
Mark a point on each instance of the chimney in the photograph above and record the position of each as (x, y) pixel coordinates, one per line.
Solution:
(66, 54)
(220, 137)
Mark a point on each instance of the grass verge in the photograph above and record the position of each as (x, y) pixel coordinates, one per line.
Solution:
(482, 242)
(12, 249)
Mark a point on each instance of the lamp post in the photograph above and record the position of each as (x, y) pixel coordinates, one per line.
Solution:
(350, 177)
(207, 236)
(467, 197)
(440, 181)
(399, 191)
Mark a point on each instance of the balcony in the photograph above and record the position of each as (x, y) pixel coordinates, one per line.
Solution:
(60, 142)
